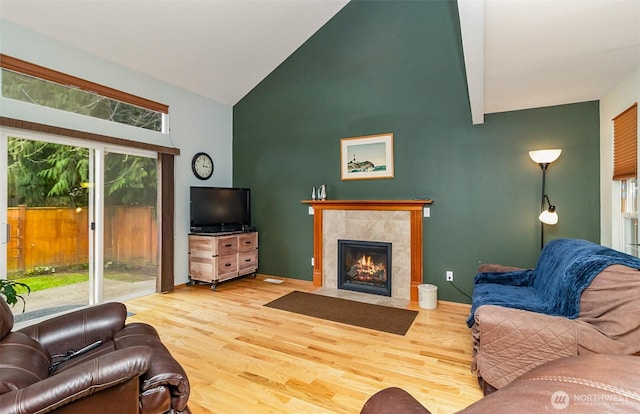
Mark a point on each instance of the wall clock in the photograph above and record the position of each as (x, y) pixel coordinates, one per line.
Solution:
(202, 165)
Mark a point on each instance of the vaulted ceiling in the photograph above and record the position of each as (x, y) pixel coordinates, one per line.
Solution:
(519, 54)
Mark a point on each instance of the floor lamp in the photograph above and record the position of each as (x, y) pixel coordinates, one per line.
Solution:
(548, 215)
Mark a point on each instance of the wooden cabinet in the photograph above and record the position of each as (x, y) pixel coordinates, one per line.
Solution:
(217, 257)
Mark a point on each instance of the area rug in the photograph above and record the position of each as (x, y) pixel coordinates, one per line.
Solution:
(365, 315)
(23, 317)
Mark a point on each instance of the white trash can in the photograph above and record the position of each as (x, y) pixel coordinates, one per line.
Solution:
(428, 296)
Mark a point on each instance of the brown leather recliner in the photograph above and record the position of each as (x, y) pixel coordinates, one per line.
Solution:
(121, 368)
(581, 384)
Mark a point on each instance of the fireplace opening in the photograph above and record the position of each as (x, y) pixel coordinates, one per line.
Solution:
(364, 266)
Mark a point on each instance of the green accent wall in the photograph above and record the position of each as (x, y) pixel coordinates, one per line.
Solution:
(397, 66)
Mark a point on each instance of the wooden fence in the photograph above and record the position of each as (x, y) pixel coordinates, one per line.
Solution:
(59, 237)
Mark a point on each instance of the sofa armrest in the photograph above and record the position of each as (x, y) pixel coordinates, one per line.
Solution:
(497, 268)
(393, 401)
(510, 278)
(76, 330)
(78, 382)
(509, 342)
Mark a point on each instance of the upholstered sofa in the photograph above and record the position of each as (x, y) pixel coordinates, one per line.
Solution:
(582, 298)
(124, 368)
(587, 384)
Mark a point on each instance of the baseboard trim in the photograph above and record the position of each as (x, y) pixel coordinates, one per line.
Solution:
(464, 306)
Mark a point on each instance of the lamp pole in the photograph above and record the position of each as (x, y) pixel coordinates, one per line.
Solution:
(544, 166)
(543, 158)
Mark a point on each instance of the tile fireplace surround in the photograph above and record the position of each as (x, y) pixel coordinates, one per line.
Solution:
(395, 221)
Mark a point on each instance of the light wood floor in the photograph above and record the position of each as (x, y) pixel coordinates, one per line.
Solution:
(242, 357)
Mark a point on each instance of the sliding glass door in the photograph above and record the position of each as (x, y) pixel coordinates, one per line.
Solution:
(80, 224)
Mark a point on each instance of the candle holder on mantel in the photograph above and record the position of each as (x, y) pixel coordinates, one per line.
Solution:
(322, 192)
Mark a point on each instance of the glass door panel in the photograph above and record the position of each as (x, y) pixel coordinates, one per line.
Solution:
(47, 245)
(130, 225)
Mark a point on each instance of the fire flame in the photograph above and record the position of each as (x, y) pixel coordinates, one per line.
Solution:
(366, 268)
(365, 261)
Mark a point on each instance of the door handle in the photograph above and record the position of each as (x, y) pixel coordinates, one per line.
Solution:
(6, 233)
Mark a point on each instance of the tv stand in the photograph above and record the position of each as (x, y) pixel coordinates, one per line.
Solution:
(216, 257)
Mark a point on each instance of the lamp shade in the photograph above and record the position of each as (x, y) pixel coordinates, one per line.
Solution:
(545, 156)
(549, 217)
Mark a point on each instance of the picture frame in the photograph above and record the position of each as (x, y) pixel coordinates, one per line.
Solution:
(367, 158)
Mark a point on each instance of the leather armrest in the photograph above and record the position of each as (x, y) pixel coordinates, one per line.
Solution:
(78, 382)
(75, 330)
(509, 342)
(164, 374)
(393, 401)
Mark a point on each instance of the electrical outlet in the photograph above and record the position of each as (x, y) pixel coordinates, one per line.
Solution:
(313, 261)
(449, 276)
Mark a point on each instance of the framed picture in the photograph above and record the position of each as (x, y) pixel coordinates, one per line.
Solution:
(366, 158)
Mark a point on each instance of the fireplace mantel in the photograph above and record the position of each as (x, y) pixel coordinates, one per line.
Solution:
(415, 208)
(393, 205)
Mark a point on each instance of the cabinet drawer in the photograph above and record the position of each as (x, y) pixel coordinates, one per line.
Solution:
(227, 265)
(226, 245)
(248, 241)
(247, 261)
(201, 269)
(200, 246)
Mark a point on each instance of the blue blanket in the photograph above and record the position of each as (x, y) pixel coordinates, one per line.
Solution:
(565, 268)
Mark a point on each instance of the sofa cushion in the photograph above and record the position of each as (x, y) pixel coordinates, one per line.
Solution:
(515, 341)
(23, 362)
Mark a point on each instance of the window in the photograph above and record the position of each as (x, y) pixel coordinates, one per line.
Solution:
(34, 84)
(629, 203)
(625, 162)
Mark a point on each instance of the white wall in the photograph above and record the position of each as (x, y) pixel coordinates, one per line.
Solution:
(196, 123)
(612, 104)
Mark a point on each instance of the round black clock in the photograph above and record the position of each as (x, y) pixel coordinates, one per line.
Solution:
(202, 165)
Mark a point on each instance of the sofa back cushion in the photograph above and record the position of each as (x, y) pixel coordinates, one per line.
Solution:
(23, 362)
(567, 266)
(610, 313)
(75, 330)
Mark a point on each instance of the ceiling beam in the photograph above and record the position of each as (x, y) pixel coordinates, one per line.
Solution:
(471, 13)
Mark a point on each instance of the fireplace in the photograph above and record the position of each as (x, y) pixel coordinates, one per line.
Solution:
(364, 266)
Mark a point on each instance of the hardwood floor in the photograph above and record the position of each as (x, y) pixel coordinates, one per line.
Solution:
(242, 357)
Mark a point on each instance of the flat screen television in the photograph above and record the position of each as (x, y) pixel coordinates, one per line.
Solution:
(220, 209)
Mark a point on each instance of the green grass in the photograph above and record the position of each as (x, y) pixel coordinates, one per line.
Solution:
(43, 282)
